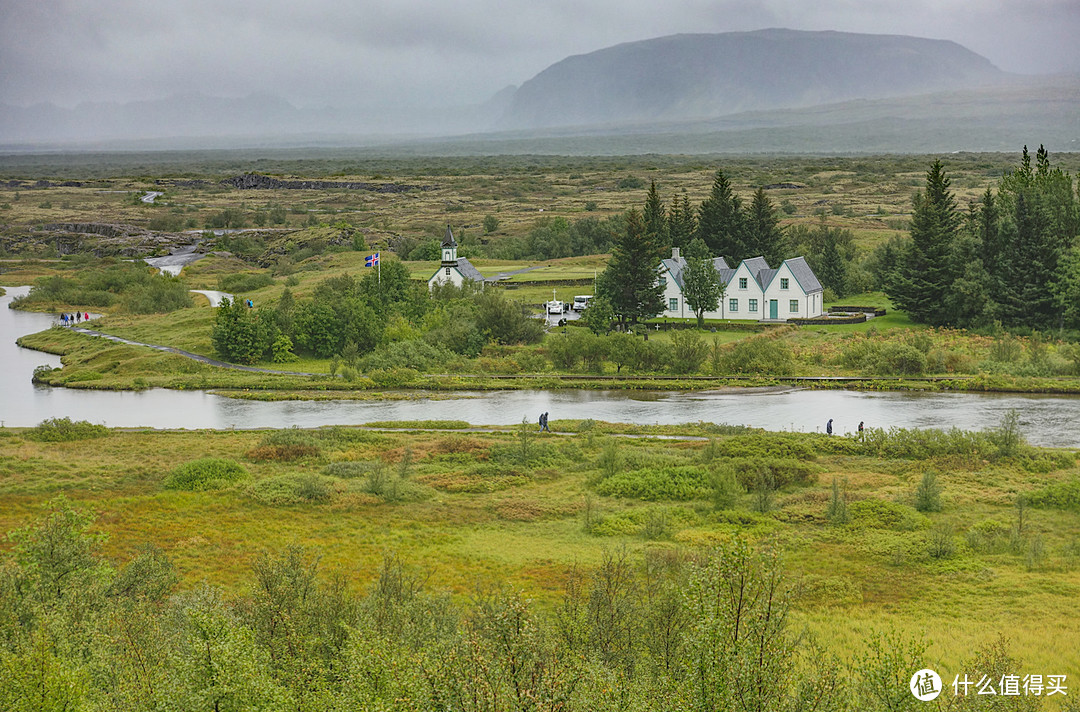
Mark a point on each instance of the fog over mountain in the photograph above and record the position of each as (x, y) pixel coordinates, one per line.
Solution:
(802, 84)
(697, 76)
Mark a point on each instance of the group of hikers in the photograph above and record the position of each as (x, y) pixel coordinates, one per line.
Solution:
(828, 428)
(72, 319)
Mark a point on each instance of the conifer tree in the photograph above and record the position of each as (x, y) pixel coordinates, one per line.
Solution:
(681, 221)
(721, 225)
(923, 279)
(764, 235)
(655, 216)
(629, 283)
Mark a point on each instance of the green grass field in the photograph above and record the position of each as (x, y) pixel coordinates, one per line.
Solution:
(470, 507)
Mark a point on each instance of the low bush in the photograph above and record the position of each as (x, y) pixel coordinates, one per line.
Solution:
(55, 430)
(676, 483)
(781, 472)
(1060, 495)
(292, 488)
(286, 446)
(207, 473)
(885, 514)
(762, 355)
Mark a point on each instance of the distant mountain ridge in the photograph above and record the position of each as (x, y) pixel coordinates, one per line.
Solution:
(696, 76)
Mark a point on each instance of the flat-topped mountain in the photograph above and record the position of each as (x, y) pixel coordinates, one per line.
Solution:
(695, 76)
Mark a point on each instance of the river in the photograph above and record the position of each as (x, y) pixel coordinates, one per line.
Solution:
(1045, 420)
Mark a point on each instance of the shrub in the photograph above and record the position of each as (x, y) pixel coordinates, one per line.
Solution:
(941, 542)
(928, 493)
(1060, 495)
(726, 488)
(207, 473)
(292, 488)
(55, 430)
(688, 352)
(678, 483)
(885, 514)
(286, 446)
(894, 359)
(781, 472)
(759, 355)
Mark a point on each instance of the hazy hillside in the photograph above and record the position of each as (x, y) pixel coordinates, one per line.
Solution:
(698, 76)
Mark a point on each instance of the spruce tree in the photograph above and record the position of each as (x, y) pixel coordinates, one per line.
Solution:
(656, 218)
(764, 235)
(925, 274)
(630, 283)
(681, 222)
(721, 224)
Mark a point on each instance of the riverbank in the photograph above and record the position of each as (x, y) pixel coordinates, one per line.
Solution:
(100, 363)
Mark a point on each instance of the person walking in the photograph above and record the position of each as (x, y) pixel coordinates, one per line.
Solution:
(828, 427)
(544, 423)
(860, 430)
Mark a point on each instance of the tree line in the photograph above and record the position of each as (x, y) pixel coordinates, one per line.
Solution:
(393, 316)
(1012, 258)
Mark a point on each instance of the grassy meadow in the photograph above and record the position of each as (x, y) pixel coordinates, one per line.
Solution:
(514, 507)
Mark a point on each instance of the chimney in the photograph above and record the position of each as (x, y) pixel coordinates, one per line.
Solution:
(674, 253)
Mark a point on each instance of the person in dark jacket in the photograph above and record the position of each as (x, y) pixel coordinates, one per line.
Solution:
(828, 427)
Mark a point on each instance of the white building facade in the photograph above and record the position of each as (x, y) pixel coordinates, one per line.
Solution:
(753, 290)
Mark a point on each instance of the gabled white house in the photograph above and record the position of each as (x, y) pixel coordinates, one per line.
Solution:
(753, 290)
(455, 270)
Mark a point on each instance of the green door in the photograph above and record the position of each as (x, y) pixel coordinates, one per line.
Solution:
(773, 312)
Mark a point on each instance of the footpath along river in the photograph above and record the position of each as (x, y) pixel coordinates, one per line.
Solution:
(1045, 420)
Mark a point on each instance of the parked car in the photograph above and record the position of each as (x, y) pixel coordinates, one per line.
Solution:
(555, 307)
(581, 302)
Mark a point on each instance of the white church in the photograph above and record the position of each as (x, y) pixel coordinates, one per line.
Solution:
(455, 270)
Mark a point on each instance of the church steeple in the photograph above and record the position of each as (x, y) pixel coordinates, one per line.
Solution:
(449, 249)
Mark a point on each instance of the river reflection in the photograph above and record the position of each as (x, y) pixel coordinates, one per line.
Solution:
(1045, 420)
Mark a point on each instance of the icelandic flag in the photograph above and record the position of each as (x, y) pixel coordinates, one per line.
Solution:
(371, 260)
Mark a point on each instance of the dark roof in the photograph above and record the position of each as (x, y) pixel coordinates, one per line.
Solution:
(448, 238)
(803, 274)
(765, 276)
(675, 267)
(467, 270)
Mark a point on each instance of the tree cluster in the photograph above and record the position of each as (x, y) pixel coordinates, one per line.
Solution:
(1013, 257)
(356, 319)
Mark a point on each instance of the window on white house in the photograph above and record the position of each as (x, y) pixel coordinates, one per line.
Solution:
(733, 305)
(783, 283)
(753, 305)
(673, 304)
(447, 271)
(742, 282)
(793, 305)
(663, 281)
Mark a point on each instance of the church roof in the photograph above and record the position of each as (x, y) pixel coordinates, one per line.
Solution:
(448, 238)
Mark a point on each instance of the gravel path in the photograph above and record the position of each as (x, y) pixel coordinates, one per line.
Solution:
(187, 354)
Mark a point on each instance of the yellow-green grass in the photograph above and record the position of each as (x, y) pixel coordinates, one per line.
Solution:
(530, 534)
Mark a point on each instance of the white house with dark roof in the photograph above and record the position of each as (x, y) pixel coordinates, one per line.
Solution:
(753, 290)
(453, 269)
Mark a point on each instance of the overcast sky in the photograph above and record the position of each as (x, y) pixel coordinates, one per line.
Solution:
(425, 53)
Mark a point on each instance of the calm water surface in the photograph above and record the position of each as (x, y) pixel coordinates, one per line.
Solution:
(1046, 420)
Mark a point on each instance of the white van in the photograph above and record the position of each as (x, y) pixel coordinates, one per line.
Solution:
(581, 302)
